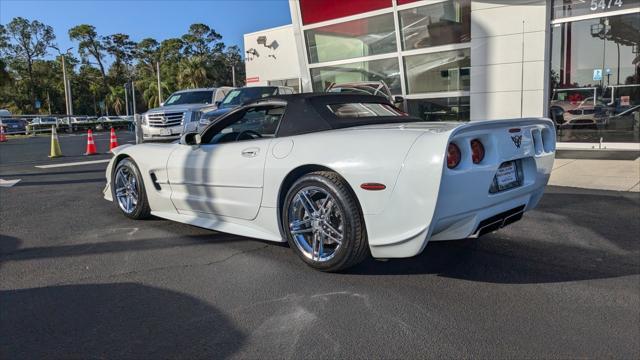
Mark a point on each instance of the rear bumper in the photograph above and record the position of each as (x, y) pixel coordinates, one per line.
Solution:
(470, 224)
(477, 222)
(433, 202)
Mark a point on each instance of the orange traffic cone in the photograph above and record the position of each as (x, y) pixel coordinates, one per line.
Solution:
(3, 137)
(113, 141)
(91, 145)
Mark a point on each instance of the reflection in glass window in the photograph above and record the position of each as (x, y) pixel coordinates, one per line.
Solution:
(386, 70)
(447, 22)
(435, 72)
(352, 110)
(595, 79)
(351, 39)
(292, 83)
(441, 109)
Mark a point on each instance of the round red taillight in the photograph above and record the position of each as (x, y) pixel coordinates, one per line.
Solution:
(453, 155)
(477, 151)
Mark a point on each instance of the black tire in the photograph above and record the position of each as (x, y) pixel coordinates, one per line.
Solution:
(141, 210)
(354, 247)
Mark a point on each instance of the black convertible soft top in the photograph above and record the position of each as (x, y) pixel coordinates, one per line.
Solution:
(309, 112)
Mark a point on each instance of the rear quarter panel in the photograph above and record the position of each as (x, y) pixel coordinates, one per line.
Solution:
(359, 156)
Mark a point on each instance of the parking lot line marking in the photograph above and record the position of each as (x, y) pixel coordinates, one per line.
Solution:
(8, 183)
(72, 164)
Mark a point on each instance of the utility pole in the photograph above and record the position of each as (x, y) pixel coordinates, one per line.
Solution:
(67, 86)
(126, 99)
(133, 97)
(159, 88)
(70, 106)
(233, 75)
(49, 102)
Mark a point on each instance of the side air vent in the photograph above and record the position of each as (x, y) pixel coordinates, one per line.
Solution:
(154, 180)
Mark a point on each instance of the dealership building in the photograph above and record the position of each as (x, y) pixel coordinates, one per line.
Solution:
(575, 61)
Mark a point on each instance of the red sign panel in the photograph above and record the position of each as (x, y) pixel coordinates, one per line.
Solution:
(314, 11)
(253, 79)
(402, 2)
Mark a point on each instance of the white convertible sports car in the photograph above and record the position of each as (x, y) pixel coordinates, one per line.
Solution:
(339, 177)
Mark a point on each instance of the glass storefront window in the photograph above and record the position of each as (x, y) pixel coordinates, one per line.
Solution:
(441, 109)
(447, 22)
(386, 70)
(595, 79)
(437, 72)
(292, 83)
(568, 8)
(363, 37)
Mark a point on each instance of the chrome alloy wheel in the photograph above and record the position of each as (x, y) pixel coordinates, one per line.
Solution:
(316, 223)
(126, 189)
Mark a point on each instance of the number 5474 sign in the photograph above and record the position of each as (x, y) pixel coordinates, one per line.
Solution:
(605, 4)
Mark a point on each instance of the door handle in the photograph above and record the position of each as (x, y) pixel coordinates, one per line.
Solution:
(250, 152)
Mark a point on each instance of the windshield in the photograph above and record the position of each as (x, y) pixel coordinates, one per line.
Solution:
(193, 97)
(238, 97)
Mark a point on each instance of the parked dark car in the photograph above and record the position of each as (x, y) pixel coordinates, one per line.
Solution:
(13, 126)
(237, 97)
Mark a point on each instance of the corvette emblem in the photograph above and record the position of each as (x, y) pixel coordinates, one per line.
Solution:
(517, 140)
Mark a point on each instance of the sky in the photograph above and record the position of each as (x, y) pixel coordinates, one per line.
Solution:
(159, 19)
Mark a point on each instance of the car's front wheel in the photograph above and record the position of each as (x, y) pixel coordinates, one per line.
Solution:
(323, 222)
(128, 190)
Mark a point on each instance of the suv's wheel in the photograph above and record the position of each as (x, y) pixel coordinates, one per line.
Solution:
(128, 190)
(323, 222)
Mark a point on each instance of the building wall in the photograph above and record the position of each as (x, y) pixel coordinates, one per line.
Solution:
(509, 55)
(277, 61)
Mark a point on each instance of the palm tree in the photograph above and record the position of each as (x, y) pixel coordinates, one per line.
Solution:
(193, 73)
(150, 93)
(114, 98)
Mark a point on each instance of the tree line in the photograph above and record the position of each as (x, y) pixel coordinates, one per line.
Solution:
(31, 84)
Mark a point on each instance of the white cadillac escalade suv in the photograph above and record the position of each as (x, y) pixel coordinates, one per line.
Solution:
(180, 112)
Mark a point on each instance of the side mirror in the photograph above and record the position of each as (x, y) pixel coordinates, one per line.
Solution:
(162, 104)
(398, 99)
(190, 138)
(218, 103)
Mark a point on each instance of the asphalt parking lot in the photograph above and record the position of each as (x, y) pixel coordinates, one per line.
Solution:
(79, 280)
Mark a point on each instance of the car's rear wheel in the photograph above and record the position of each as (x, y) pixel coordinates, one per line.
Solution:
(323, 222)
(128, 190)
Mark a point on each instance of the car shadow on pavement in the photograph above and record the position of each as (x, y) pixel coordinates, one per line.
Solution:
(573, 235)
(107, 247)
(60, 182)
(112, 321)
(44, 173)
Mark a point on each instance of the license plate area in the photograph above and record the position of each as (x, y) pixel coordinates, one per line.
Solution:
(165, 132)
(508, 176)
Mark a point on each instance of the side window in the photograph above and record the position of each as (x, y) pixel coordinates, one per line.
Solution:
(256, 123)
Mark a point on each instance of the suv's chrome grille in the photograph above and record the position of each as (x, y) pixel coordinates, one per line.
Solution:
(165, 119)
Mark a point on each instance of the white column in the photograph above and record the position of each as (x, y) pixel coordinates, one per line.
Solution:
(509, 59)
